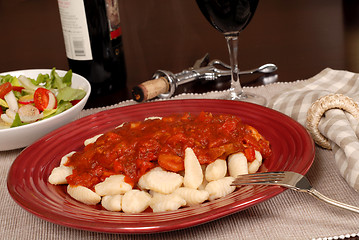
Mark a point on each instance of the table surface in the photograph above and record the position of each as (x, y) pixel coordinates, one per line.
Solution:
(302, 37)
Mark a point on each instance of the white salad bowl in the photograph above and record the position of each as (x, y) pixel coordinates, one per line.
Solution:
(22, 136)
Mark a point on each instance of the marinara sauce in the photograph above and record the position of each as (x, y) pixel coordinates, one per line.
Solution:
(137, 147)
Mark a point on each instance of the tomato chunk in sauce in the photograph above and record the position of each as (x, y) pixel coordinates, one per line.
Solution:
(137, 147)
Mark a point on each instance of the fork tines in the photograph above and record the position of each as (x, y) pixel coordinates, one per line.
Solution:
(259, 178)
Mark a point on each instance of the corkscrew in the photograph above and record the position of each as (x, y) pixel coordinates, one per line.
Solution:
(164, 83)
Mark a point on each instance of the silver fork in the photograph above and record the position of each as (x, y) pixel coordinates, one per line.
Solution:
(291, 180)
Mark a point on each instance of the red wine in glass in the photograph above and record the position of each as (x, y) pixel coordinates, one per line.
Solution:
(230, 17)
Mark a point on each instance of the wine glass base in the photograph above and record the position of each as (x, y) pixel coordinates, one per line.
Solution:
(249, 97)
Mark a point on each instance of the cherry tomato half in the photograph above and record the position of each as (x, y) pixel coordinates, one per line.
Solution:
(43, 98)
(5, 89)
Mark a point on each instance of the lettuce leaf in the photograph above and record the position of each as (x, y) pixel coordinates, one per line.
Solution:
(11, 79)
(43, 79)
(3, 103)
(62, 106)
(70, 94)
(17, 121)
(60, 82)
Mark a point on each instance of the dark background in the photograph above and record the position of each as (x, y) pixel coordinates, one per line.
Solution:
(302, 37)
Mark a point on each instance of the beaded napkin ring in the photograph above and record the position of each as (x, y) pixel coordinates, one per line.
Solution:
(319, 107)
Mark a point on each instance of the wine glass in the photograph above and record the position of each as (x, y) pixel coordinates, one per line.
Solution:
(230, 17)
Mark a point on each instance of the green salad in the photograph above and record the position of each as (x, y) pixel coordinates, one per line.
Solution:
(24, 100)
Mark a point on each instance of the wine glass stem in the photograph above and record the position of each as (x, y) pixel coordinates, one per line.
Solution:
(236, 90)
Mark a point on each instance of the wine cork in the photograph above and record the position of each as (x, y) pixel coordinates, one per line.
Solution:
(150, 89)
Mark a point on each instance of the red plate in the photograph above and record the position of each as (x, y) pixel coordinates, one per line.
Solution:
(293, 150)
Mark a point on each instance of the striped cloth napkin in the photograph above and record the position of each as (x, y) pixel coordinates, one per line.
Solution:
(326, 105)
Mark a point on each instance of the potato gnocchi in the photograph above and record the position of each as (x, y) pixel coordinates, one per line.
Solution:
(193, 175)
(114, 184)
(166, 202)
(135, 201)
(162, 181)
(112, 203)
(161, 187)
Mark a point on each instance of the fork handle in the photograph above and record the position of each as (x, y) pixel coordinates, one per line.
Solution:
(320, 196)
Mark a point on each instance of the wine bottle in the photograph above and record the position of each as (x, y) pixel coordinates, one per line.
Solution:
(93, 43)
